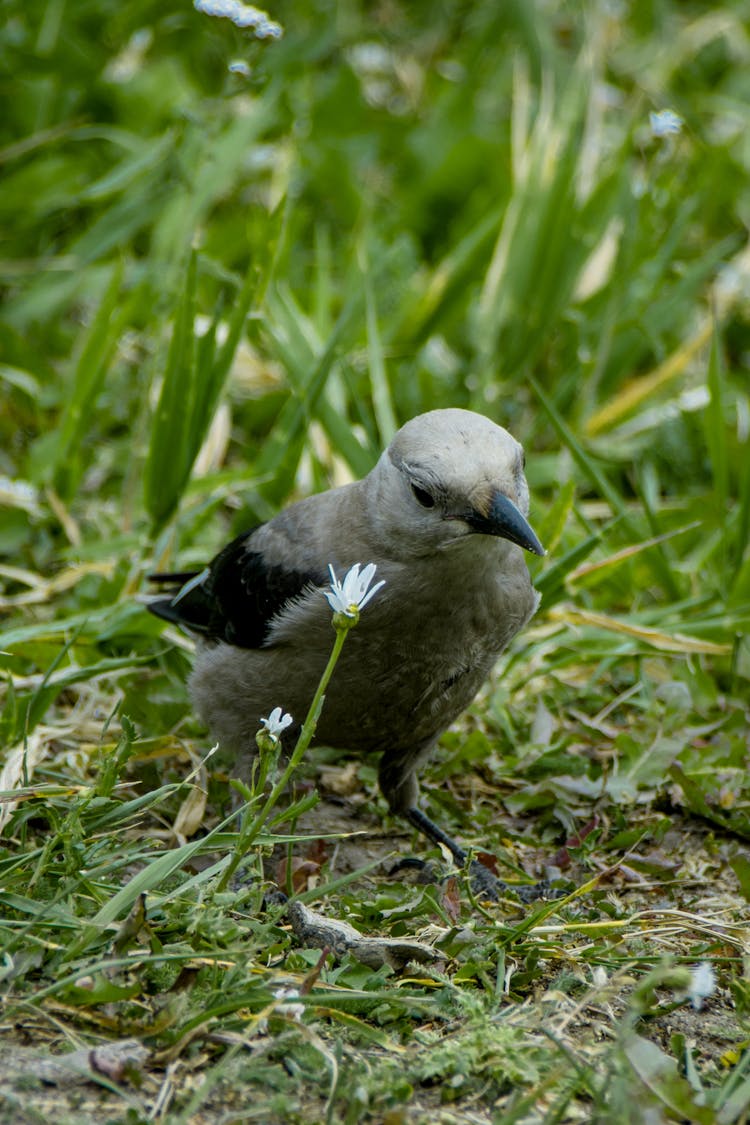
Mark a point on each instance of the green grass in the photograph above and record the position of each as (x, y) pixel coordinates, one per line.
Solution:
(223, 292)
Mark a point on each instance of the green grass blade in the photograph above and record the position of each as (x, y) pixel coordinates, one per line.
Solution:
(87, 380)
(716, 422)
(585, 463)
(152, 875)
(284, 444)
(382, 402)
(168, 464)
(445, 286)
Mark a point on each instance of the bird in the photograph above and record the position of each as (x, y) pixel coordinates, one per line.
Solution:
(443, 515)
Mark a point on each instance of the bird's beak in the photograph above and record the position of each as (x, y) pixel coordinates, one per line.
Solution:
(505, 520)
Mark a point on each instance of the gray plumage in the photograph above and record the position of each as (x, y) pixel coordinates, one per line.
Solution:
(443, 515)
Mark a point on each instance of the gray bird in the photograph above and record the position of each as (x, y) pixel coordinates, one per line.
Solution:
(443, 515)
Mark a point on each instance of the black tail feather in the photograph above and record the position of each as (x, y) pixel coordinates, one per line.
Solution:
(189, 608)
(163, 607)
(177, 578)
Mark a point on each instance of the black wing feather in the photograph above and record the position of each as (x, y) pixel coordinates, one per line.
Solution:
(238, 598)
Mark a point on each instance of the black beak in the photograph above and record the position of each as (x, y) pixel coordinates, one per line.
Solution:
(507, 522)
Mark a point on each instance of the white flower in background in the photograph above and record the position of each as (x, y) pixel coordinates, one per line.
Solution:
(239, 66)
(19, 494)
(352, 595)
(665, 123)
(242, 15)
(276, 723)
(284, 1008)
(702, 984)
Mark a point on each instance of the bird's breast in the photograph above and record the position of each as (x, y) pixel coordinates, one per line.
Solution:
(407, 672)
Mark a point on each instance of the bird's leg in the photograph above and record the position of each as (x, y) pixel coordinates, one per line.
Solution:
(434, 833)
(399, 784)
(485, 884)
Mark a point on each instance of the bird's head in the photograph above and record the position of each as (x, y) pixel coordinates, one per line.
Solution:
(447, 475)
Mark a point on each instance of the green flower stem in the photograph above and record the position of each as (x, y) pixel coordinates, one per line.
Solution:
(342, 625)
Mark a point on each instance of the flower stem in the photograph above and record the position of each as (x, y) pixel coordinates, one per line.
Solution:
(250, 832)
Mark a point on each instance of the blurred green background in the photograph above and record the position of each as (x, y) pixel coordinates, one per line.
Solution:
(233, 265)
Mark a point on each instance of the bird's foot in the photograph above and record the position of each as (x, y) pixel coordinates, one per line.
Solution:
(427, 870)
(272, 899)
(484, 882)
(486, 885)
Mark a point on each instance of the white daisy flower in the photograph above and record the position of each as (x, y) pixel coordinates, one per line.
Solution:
(276, 723)
(285, 1006)
(242, 15)
(352, 595)
(702, 984)
(665, 123)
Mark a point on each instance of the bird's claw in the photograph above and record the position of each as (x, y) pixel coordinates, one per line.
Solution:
(485, 885)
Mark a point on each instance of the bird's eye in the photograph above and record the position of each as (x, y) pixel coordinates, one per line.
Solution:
(423, 497)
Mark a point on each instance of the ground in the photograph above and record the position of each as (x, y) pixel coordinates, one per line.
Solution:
(584, 989)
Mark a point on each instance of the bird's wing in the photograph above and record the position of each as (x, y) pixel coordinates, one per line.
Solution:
(236, 597)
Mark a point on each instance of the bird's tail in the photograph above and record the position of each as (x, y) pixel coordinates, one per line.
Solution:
(185, 603)
(176, 579)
